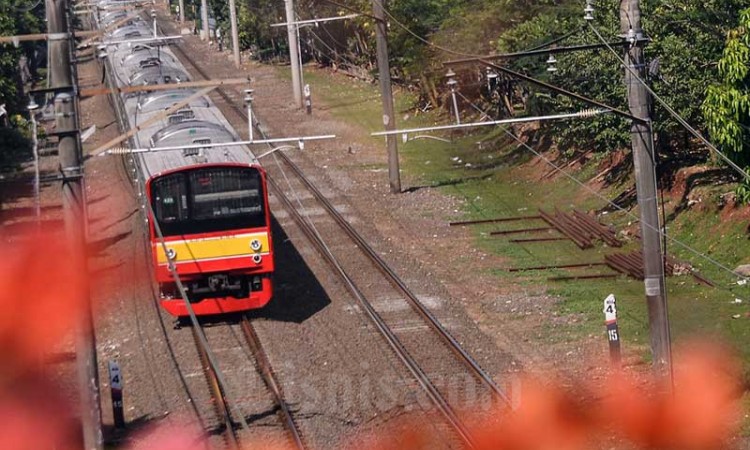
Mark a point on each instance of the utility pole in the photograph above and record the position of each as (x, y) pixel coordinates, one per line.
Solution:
(645, 174)
(58, 49)
(235, 35)
(384, 73)
(71, 167)
(295, 50)
(293, 35)
(204, 19)
(181, 5)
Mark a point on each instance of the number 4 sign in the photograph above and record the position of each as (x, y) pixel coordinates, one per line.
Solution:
(613, 335)
(610, 309)
(115, 386)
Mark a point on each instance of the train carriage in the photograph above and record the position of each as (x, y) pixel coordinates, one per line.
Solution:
(209, 209)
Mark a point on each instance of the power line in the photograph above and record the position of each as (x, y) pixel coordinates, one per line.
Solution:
(439, 47)
(671, 111)
(557, 168)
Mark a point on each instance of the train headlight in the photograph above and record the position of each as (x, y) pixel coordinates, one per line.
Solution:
(257, 258)
(255, 245)
(171, 253)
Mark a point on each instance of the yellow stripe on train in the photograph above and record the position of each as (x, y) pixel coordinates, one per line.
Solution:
(213, 248)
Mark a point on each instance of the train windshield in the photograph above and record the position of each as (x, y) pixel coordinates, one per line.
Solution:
(208, 200)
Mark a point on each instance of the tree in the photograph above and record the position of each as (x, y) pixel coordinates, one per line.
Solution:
(685, 42)
(17, 17)
(727, 104)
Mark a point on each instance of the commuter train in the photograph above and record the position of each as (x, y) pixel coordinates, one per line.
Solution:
(208, 209)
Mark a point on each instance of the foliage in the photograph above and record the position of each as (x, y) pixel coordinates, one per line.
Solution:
(17, 17)
(686, 40)
(683, 44)
(15, 147)
(726, 107)
(727, 104)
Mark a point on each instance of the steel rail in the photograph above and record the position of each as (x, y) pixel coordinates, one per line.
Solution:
(250, 335)
(127, 180)
(379, 262)
(220, 400)
(391, 339)
(269, 377)
(211, 377)
(397, 282)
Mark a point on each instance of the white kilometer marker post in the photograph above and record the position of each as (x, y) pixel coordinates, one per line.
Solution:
(115, 386)
(613, 334)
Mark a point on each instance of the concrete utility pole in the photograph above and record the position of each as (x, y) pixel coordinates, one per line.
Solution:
(384, 73)
(204, 19)
(71, 167)
(645, 174)
(235, 35)
(293, 35)
(58, 49)
(181, 5)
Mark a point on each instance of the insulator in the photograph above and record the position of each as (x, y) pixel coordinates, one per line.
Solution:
(589, 112)
(118, 151)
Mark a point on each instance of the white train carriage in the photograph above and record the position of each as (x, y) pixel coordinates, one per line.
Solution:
(211, 204)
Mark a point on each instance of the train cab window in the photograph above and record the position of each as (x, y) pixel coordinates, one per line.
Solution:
(209, 200)
(170, 200)
(228, 197)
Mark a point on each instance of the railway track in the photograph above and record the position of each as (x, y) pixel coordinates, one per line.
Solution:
(269, 377)
(217, 398)
(437, 362)
(232, 349)
(226, 425)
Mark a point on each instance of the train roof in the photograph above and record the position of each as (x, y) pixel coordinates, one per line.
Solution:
(136, 58)
(190, 132)
(197, 123)
(157, 163)
(161, 100)
(135, 30)
(158, 75)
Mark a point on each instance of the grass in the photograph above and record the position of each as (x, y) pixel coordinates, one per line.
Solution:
(485, 170)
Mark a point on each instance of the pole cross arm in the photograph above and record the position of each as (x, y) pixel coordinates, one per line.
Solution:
(42, 37)
(156, 40)
(299, 140)
(315, 21)
(580, 114)
(562, 91)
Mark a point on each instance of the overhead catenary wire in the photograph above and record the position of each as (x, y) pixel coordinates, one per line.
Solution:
(656, 96)
(663, 103)
(614, 205)
(675, 115)
(436, 46)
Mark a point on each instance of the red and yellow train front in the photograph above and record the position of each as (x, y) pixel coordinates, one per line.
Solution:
(217, 233)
